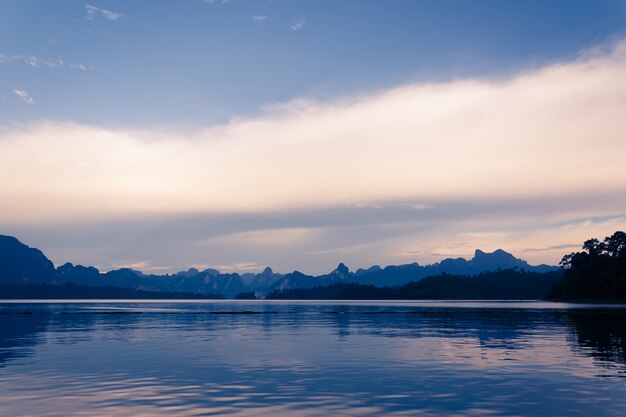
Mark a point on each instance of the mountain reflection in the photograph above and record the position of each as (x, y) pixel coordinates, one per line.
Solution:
(309, 359)
(19, 333)
(599, 334)
(596, 333)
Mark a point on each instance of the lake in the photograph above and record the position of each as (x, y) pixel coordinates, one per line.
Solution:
(261, 358)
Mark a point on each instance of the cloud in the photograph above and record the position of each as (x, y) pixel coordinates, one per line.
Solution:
(377, 206)
(310, 241)
(533, 161)
(108, 14)
(298, 24)
(258, 18)
(217, 2)
(92, 12)
(81, 67)
(36, 62)
(23, 95)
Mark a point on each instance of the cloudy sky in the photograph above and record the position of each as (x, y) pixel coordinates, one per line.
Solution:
(238, 134)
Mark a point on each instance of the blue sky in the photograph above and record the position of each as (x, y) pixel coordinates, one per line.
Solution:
(298, 134)
(205, 62)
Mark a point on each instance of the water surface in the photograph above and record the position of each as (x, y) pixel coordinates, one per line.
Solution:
(283, 358)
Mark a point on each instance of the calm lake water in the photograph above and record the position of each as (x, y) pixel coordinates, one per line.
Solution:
(311, 359)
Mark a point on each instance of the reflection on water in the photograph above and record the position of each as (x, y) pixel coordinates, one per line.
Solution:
(311, 359)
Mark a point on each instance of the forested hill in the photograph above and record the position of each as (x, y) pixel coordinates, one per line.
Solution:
(598, 272)
(500, 285)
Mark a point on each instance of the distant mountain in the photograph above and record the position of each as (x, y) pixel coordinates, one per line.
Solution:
(262, 281)
(481, 262)
(21, 264)
(299, 280)
(208, 281)
(396, 275)
(83, 275)
(510, 284)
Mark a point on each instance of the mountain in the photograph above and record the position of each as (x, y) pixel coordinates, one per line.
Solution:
(397, 275)
(208, 281)
(509, 284)
(481, 262)
(77, 274)
(21, 264)
(299, 280)
(500, 259)
(262, 281)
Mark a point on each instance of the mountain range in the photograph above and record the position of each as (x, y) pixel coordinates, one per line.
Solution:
(20, 264)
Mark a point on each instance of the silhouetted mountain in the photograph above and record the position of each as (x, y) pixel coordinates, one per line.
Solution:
(397, 275)
(394, 275)
(263, 280)
(20, 263)
(204, 282)
(297, 279)
(188, 273)
(341, 272)
(369, 270)
(481, 262)
(508, 284)
(84, 275)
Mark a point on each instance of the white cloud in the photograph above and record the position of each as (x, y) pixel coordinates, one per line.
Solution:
(515, 157)
(23, 95)
(108, 14)
(81, 67)
(378, 206)
(557, 130)
(258, 18)
(92, 12)
(216, 2)
(298, 24)
(36, 62)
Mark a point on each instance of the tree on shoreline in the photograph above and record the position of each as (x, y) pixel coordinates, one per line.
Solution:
(597, 272)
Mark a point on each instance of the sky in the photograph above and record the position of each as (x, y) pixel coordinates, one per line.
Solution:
(299, 134)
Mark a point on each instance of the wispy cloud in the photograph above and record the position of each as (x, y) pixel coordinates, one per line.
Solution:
(258, 18)
(36, 62)
(298, 24)
(92, 12)
(23, 95)
(31, 60)
(217, 2)
(378, 206)
(142, 266)
(108, 14)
